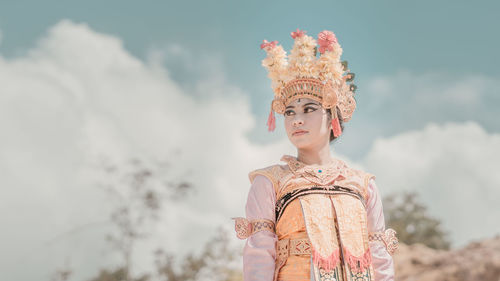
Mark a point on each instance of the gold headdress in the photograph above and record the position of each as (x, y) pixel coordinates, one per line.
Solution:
(303, 75)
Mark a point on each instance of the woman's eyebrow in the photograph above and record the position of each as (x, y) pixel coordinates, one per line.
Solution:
(291, 106)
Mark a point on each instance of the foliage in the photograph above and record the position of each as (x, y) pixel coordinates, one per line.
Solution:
(405, 214)
(138, 192)
(213, 262)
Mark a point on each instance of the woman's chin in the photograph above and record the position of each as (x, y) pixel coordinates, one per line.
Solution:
(300, 143)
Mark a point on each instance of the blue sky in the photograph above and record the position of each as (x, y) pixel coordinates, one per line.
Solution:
(379, 38)
(182, 81)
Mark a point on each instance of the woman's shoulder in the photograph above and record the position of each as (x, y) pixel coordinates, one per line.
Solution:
(272, 172)
(358, 178)
(363, 175)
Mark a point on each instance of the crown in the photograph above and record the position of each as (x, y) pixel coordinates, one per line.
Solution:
(304, 75)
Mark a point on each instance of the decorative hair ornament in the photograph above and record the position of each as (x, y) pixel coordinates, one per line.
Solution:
(302, 75)
(337, 130)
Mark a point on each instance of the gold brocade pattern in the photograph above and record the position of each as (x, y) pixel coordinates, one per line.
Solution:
(351, 218)
(336, 225)
(275, 173)
(319, 220)
(318, 174)
(388, 238)
(291, 226)
(245, 228)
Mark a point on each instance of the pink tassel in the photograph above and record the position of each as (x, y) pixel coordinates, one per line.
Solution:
(327, 263)
(271, 121)
(364, 261)
(337, 130)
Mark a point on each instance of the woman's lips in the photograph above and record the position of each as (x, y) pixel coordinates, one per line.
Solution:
(300, 133)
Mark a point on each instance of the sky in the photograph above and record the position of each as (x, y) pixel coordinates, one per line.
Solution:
(183, 83)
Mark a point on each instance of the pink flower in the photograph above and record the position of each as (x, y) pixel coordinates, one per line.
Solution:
(268, 44)
(297, 33)
(326, 39)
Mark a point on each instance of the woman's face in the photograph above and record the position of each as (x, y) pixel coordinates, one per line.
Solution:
(307, 115)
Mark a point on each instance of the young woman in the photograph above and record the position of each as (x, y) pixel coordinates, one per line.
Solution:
(313, 217)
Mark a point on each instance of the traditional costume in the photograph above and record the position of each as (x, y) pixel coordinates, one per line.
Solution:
(314, 222)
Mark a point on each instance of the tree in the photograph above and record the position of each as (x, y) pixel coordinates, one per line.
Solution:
(409, 218)
(138, 197)
(118, 274)
(213, 262)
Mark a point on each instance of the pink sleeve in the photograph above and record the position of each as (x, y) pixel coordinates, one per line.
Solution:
(259, 253)
(382, 261)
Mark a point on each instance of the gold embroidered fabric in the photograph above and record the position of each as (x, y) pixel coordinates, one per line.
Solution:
(290, 247)
(319, 221)
(291, 226)
(388, 237)
(298, 246)
(245, 228)
(339, 226)
(337, 172)
(274, 173)
(347, 253)
(318, 174)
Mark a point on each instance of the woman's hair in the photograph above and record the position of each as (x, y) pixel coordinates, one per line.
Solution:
(329, 110)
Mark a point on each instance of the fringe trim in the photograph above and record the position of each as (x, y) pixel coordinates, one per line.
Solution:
(328, 263)
(358, 264)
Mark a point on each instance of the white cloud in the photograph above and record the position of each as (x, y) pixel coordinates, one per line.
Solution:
(78, 95)
(406, 100)
(453, 167)
(434, 96)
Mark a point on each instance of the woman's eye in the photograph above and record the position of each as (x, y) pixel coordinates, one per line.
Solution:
(313, 109)
(287, 113)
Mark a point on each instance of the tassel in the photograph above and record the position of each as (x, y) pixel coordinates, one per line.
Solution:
(337, 130)
(358, 264)
(328, 263)
(271, 121)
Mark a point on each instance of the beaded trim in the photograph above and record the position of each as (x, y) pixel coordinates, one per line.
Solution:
(388, 237)
(304, 86)
(299, 246)
(245, 228)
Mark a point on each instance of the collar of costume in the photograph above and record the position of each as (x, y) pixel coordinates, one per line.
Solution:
(316, 173)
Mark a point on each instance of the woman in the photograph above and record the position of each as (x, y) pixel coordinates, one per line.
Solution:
(314, 217)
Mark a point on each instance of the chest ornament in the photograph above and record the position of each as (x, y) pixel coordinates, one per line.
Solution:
(317, 174)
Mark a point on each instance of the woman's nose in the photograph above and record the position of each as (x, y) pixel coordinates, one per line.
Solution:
(298, 122)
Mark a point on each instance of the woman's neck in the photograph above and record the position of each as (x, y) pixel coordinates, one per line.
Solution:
(315, 157)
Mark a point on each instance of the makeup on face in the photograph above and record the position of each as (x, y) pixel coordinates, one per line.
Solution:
(312, 105)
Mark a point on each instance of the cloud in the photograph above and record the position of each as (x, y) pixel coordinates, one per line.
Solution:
(453, 167)
(420, 98)
(390, 104)
(79, 95)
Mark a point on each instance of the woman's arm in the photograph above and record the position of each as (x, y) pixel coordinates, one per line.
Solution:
(259, 253)
(382, 261)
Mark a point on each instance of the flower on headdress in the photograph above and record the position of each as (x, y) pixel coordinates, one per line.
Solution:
(268, 44)
(297, 33)
(326, 39)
